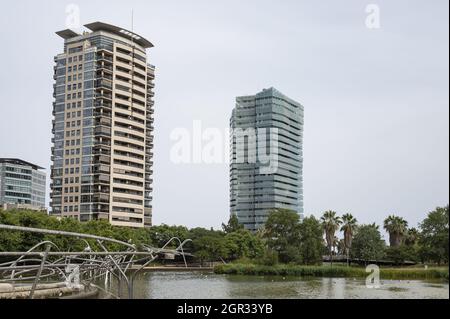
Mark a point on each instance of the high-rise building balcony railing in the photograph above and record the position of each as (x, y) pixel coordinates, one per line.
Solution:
(101, 198)
(94, 190)
(102, 190)
(101, 178)
(55, 174)
(100, 208)
(101, 75)
(148, 178)
(56, 193)
(103, 84)
(148, 188)
(105, 67)
(55, 210)
(102, 159)
(104, 114)
(101, 151)
(103, 121)
(103, 103)
(105, 61)
(101, 168)
(104, 49)
(104, 141)
(102, 130)
(105, 57)
(103, 95)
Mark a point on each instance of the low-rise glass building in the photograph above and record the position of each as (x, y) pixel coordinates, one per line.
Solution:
(22, 184)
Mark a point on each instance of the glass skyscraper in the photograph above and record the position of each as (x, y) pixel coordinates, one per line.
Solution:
(266, 157)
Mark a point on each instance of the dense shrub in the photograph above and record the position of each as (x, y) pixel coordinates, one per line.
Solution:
(327, 271)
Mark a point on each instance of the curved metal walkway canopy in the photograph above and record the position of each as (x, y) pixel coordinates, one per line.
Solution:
(77, 270)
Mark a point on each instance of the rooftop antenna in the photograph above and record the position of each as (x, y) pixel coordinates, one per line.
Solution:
(132, 23)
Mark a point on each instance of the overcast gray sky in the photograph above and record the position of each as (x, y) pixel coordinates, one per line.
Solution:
(376, 100)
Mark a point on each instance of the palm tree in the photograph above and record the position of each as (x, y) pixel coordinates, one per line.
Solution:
(397, 228)
(339, 243)
(330, 224)
(348, 227)
(412, 236)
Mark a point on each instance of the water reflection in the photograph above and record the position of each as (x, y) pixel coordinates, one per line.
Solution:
(187, 285)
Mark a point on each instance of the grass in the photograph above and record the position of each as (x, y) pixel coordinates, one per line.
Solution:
(327, 271)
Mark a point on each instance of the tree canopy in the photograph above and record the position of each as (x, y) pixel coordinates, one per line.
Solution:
(435, 236)
(367, 243)
(282, 233)
(284, 237)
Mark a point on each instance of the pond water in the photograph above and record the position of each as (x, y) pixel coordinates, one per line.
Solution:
(205, 285)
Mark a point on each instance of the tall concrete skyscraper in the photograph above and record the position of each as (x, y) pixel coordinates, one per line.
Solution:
(268, 123)
(103, 127)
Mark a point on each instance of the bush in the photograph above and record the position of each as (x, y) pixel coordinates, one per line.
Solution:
(402, 253)
(270, 258)
(327, 271)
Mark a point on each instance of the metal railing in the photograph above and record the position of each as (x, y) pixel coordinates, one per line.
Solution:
(45, 262)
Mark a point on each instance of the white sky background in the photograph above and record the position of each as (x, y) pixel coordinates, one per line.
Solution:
(376, 100)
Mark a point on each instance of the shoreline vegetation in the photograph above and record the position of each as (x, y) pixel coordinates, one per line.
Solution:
(400, 273)
(284, 245)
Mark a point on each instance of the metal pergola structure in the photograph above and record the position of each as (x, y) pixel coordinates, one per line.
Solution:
(45, 262)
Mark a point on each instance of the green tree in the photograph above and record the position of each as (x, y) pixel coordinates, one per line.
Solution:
(330, 224)
(311, 241)
(207, 244)
(408, 251)
(402, 253)
(9, 240)
(243, 244)
(282, 233)
(261, 232)
(233, 224)
(367, 243)
(65, 242)
(435, 236)
(269, 258)
(412, 237)
(397, 228)
(210, 248)
(348, 227)
(161, 234)
(26, 240)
